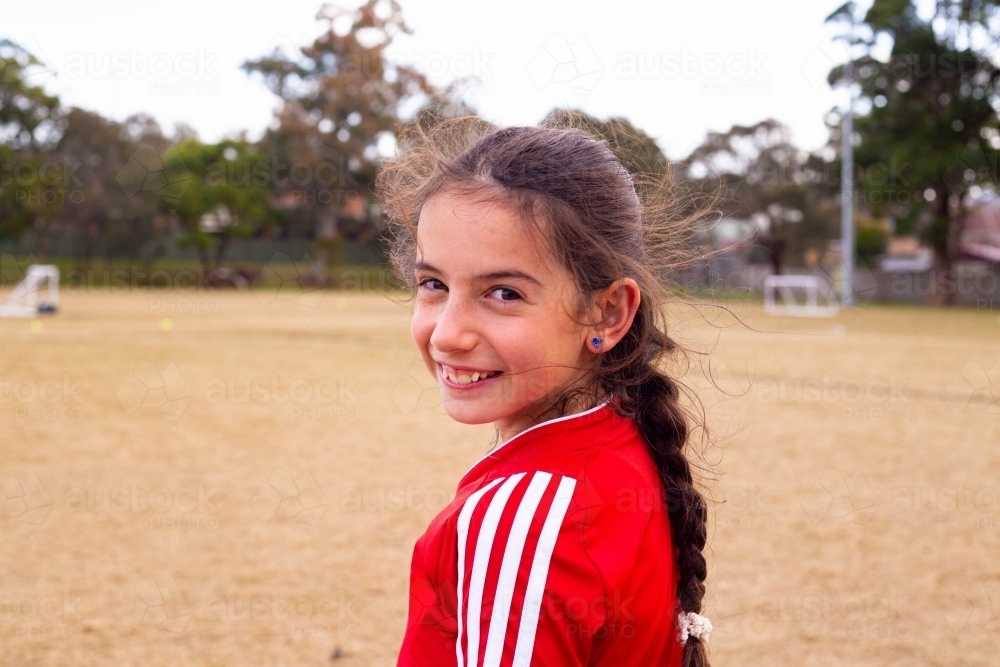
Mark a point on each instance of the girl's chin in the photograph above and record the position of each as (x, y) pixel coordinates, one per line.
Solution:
(464, 413)
(474, 411)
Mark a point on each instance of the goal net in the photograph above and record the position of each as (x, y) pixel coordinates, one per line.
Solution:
(800, 296)
(24, 299)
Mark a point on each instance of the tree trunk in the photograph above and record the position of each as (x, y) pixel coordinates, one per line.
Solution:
(326, 232)
(90, 231)
(220, 250)
(203, 258)
(775, 249)
(943, 280)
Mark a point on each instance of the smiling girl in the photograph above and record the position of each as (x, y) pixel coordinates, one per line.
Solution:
(577, 540)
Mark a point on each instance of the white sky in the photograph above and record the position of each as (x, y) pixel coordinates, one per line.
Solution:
(675, 69)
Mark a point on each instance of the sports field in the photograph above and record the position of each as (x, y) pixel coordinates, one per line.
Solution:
(237, 478)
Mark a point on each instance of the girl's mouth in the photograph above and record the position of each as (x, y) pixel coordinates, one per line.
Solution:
(455, 379)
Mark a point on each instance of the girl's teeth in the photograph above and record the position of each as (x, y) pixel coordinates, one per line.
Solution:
(466, 379)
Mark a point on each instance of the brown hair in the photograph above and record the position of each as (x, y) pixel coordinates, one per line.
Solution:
(600, 229)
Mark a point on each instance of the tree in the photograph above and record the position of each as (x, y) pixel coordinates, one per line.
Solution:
(221, 193)
(31, 190)
(928, 124)
(31, 196)
(342, 102)
(25, 110)
(763, 177)
(638, 152)
(94, 152)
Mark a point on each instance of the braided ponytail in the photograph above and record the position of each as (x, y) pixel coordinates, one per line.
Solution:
(652, 399)
(571, 189)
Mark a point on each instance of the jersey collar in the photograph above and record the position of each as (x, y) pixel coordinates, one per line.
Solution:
(537, 426)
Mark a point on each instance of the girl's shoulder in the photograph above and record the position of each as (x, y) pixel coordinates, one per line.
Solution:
(569, 445)
(602, 471)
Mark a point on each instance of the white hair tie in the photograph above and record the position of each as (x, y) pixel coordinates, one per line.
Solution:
(694, 625)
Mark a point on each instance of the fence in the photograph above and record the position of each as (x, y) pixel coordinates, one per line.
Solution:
(972, 283)
(251, 250)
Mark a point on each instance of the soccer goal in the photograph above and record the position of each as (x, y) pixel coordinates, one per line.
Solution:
(23, 300)
(800, 296)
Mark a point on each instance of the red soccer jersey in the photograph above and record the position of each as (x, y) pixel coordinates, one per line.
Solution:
(556, 551)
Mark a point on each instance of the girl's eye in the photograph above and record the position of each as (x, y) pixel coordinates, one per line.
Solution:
(427, 281)
(514, 296)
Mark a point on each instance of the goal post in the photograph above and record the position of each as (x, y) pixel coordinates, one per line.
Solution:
(24, 298)
(800, 296)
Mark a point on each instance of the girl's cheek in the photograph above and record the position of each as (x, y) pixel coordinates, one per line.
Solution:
(420, 329)
(421, 335)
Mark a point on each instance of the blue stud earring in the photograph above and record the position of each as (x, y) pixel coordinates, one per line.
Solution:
(596, 341)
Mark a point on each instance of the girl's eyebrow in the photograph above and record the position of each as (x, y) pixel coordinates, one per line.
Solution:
(493, 275)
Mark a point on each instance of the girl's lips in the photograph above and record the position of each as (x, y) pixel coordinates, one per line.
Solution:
(472, 385)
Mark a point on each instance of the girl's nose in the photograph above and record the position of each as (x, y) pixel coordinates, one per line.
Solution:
(455, 327)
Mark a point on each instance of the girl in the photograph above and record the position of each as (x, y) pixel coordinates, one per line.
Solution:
(578, 540)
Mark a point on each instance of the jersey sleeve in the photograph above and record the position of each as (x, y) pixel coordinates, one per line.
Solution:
(506, 580)
(526, 593)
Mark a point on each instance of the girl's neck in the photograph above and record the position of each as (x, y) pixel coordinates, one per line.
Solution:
(573, 404)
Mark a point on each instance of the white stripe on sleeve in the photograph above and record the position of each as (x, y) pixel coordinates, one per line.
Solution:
(510, 566)
(481, 560)
(540, 572)
(463, 535)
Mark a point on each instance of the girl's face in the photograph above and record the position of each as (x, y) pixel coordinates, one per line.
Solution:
(491, 301)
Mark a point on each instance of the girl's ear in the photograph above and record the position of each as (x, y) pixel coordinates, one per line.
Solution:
(615, 308)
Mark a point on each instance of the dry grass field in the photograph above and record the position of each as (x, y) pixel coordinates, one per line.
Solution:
(237, 478)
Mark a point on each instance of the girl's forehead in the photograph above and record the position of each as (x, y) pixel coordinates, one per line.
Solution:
(452, 226)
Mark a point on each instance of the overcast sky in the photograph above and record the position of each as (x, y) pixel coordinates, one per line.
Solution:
(675, 69)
